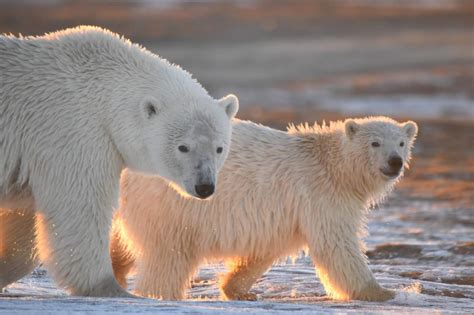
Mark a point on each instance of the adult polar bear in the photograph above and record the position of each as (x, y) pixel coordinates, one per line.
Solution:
(278, 191)
(76, 107)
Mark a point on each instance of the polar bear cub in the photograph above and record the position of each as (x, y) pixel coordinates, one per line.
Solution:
(76, 107)
(278, 191)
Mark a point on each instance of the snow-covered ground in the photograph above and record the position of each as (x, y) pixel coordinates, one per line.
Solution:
(430, 266)
(36, 295)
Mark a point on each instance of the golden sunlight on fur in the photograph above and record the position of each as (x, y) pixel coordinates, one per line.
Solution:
(277, 193)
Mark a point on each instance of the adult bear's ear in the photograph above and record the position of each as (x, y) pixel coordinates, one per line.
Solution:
(230, 103)
(351, 128)
(150, 107)
(410, 128)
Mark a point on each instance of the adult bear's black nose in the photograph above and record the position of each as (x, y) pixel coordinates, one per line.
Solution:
(204, 190)
(395, 163)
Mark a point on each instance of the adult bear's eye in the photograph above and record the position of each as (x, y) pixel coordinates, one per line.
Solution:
(375, 144)
(402, 144)
(183, 148)
(219, 150)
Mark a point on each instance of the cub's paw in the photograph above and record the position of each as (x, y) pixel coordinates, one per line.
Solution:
(241, 296)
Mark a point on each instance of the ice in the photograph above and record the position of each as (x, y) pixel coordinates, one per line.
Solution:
(287, 288)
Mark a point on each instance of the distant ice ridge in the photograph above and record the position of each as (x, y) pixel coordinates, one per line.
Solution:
(416, 106)
(384, 95)
(399, 105)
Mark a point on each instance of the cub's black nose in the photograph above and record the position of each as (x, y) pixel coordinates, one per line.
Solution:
(204, 190)
(395, 163)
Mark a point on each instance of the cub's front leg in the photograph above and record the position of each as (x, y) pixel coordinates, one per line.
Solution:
(338, 254)
(165, 271)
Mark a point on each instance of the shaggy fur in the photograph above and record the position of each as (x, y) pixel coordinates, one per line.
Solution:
(76, 107)
(278, 192)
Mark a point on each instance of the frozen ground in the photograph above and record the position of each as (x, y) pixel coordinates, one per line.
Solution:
(430, 265)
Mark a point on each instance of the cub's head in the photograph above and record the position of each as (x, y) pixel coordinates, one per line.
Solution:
(185, 143)
(383, 145)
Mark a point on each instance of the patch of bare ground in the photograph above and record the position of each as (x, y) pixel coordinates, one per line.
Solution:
(439, 80)
(420, 288)
(444, 292)
(466, 248)
(411, 274)
(465, 280)
(385, 251)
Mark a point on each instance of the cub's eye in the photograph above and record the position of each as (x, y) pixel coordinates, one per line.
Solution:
(219, 150)
(375, 144)
(402, 144)
(183, 148)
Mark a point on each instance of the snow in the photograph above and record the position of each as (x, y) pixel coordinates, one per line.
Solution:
(425, 281)
(405, 301)
(287, 288)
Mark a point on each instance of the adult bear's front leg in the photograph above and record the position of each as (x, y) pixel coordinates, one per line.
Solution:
(75, 213)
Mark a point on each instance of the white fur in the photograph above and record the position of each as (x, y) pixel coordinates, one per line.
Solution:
(278, 192)
(76, 107)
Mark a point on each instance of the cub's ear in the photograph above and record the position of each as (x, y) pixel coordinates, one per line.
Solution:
(230, 103)
(150, 107)
(351, 128)
(411, 129)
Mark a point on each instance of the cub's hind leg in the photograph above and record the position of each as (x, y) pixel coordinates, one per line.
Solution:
(123, 257)
(17, 245)
(244, 272)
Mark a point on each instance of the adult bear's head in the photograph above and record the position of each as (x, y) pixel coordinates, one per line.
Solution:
(186, 142)
(161, 120)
